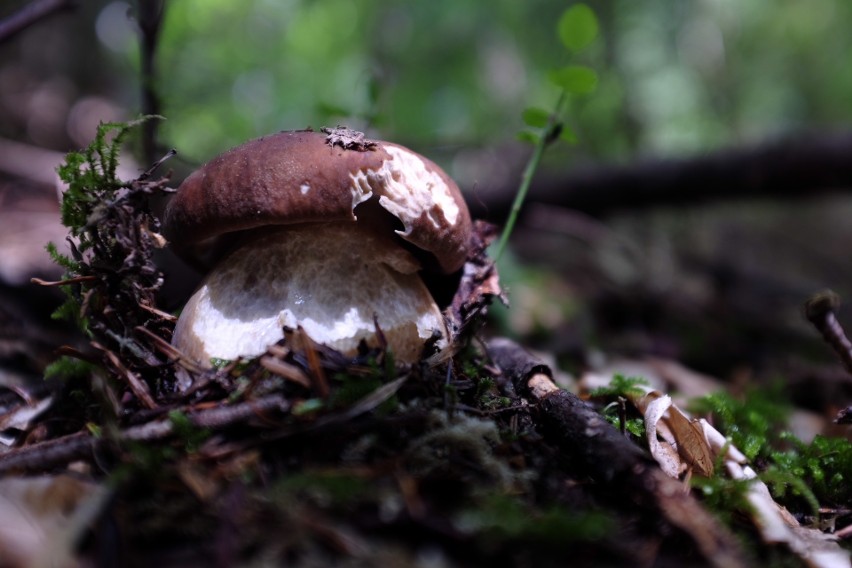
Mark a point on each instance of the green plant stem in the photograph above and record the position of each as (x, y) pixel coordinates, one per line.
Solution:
(547, 137)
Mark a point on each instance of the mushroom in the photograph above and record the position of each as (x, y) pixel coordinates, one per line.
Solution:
(330, 233)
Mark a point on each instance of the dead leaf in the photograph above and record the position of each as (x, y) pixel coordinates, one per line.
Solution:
(664, 452)
(692, 444)
(17, 420)
(677, 441)
(43, 519)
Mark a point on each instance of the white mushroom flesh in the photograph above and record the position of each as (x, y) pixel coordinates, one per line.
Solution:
(409, 190)
(329, 279)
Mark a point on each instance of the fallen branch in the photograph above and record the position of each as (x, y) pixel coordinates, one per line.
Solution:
(796, 167)
(82, 445)
(611, 458)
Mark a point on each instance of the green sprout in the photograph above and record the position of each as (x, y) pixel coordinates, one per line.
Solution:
(577, 29)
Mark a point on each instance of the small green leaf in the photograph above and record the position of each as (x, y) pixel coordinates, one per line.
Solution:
(575, 79)
(527, 136)
(577, 27)
(308, 406)
(535, 117)
(568, 135)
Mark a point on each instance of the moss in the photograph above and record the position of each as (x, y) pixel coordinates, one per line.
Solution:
(620, 386)
(616, 412)
(801, 476)
(824, 467)
(464, 449)
(328, 488)
(68, 367)
(92, 189)
(191, 435)
(753, 421)
(500, 516)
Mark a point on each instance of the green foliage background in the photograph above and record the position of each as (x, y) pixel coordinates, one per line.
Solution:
(675, 76)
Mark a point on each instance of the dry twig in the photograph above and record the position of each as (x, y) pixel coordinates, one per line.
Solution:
(83, 445)
(29, 15)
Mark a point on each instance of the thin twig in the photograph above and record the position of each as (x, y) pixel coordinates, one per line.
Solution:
(60, 451)
(137, 385)
(66, 282)
(285, 370)
(43, 456)
(150, 171)
(169, 350)
(820, 311)
(150, 21)
(29, 15)
(160, 313)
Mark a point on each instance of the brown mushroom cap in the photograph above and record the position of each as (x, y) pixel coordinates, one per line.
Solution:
(300, 177)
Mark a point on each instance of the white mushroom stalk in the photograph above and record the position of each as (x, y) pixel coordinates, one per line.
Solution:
(336, 281)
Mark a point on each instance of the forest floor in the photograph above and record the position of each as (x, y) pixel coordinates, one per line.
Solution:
(586, 439)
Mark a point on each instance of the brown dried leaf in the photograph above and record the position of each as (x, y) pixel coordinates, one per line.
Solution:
(302, 342)
(285, 370)
(692, 443)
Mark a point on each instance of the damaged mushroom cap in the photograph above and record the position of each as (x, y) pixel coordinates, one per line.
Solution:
(328, 239)
(298, 177)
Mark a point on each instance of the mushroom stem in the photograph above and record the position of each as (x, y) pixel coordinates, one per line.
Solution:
(330, 279)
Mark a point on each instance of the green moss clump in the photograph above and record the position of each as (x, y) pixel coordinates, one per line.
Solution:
(824, 467)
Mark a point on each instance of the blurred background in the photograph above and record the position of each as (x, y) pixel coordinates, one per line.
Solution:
(706, 199)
